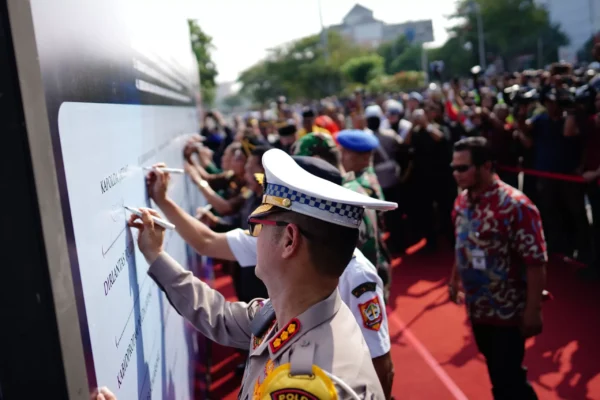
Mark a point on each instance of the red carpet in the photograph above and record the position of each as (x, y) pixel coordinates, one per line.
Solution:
(433, 350)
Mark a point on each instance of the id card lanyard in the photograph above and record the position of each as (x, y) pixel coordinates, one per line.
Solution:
(477, 255)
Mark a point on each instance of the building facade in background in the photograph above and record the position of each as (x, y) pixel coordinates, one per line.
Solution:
(361, 27)
(578, 19)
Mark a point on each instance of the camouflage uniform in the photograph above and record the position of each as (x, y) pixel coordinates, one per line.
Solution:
(368, 180)
(322, 145)
(369, 183)
(368, 231)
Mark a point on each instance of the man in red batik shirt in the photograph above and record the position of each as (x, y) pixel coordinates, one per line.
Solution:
(500, 262)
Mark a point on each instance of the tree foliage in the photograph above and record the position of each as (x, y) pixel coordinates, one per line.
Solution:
(233, 101)
(586, 51)
(202, 46)
(512, 28)
(300, 70)
(363, 69)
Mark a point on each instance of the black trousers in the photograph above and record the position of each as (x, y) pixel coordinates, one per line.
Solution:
(504, 348)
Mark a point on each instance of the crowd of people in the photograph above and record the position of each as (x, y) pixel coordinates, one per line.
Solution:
(542, 122)
(445, 164)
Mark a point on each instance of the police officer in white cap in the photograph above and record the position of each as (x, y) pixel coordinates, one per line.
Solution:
(360, 283)
(303, 340)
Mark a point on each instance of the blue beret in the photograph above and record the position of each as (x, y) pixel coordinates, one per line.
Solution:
(357, 140)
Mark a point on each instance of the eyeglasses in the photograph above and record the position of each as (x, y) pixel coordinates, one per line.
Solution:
(460, 168)
(255, 226)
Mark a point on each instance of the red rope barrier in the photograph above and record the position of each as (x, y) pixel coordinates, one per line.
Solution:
(543, 174)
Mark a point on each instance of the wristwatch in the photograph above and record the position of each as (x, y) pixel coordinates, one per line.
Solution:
(203, 183)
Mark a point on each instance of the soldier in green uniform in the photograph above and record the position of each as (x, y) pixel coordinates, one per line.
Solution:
(322, 145)
(357, 148)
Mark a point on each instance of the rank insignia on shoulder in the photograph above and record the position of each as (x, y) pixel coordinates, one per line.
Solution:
(364, 288)
(371, 314)
(284, 335)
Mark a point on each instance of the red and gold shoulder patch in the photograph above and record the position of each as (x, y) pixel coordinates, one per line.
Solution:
(292, 394)
(284, 335)
(257, 341)
(371, 314)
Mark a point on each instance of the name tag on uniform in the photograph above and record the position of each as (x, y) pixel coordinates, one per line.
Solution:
(478, 259)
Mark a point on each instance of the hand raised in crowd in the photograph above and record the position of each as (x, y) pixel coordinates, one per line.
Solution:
(205, 156)
(190, 149)
(193, 145)
(157, 183)
(151, 236)
(192, 172)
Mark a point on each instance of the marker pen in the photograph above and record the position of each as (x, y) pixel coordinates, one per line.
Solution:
(158, 221)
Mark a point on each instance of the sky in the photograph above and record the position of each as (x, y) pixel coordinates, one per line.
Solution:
(243, 30)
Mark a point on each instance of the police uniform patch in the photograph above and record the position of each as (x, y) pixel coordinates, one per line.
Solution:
(256, 342)
(288, 331)
(269, 367)
(292, 394)
(364, 288)
(371, 314)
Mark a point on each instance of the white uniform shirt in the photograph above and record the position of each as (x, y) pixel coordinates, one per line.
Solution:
(360, 288)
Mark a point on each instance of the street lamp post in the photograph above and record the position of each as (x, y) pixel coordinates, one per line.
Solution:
(477, 9)
(323, 34)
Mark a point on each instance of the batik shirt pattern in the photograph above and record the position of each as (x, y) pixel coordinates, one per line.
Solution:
(498, 235)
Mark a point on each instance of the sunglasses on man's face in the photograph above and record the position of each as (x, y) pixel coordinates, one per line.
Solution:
(460, 168)
(255, 225)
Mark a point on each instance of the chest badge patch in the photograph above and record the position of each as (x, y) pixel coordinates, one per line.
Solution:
(371, 314)
(288, 331)
(292, 394)
(269, 367)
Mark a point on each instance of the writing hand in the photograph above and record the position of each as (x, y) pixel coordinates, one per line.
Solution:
(157, 183)
(151, 236)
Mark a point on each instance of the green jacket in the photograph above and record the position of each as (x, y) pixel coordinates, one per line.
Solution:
(368, 239)
(367, 179)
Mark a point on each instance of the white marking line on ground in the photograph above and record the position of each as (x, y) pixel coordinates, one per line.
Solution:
(427, 357)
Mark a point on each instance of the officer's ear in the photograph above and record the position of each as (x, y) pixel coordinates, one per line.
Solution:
(291, 241)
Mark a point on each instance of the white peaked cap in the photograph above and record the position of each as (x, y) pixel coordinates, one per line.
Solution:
(289, 186)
